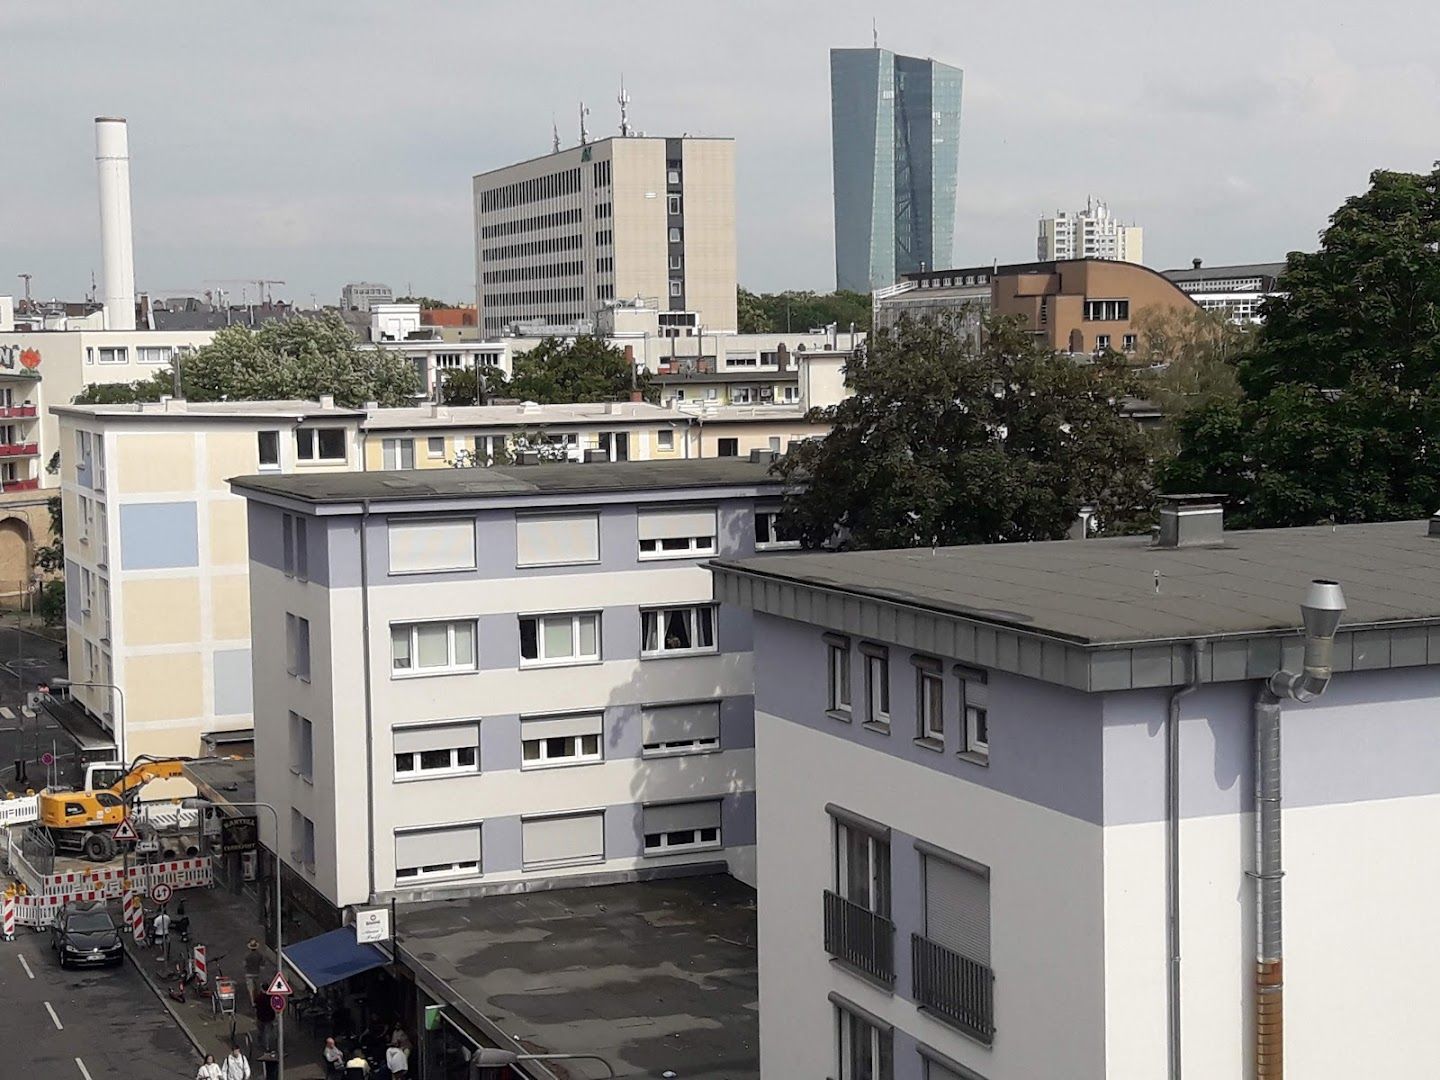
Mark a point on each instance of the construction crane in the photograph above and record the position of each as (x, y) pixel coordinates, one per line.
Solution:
(261, 284)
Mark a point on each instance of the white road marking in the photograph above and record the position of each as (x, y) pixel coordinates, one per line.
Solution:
(27, 712)
(7, 712)
(26, 965)
(83, 1070)
(51, 1010)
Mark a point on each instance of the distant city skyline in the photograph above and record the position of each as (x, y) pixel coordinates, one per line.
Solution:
(328, 153)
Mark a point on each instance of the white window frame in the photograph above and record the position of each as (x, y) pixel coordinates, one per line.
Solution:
(707, 745)
(262, 464)
(413, 671)
(154, 354)
(307, 445)
(394, 451)
(665, 439)
(770, 520)
(119, 354)
(418, 770)
(432, 450)
(660, 650)
(975, 713)
(929, 702)
(540, 660)
(881, 1050)
(877, 684)
(696, 547)
(665, 847)
(840, 695)
(465, 869)
(576, 753)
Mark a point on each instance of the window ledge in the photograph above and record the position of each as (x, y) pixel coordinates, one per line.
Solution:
(437, 674)
(688, 849)
(671, 556)
(974, 757)
(536, 766)
(534, 665)
(877, 727)
(843, 715)
(676, 654)
(433, 774)
(779, 545)
(885, 986)
(651, 755)
(929, 742)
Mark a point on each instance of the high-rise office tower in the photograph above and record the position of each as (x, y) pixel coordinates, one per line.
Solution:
(895, 130)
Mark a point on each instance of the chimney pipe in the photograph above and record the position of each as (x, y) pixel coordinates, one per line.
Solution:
(117, 252)
(1195, 264)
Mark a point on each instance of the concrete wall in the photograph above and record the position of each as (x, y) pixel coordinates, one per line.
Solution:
(709, 202)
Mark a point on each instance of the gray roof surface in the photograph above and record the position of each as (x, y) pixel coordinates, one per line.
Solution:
(1211, 273)
(224, 779)
(506, 480)
(1104, 592)
(652, 976)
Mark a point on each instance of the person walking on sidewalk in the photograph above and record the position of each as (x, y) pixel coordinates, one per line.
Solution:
(208, 1069)
(236, 1066)
(253, 960)
(160, 931)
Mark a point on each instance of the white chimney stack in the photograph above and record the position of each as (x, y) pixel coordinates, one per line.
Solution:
(117, 251)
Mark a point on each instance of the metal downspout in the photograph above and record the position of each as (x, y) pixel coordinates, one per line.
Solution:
(1269, 969)
(365, 673)
(1172, 856)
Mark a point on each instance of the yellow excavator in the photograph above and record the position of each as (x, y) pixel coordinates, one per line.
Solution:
(84, 822)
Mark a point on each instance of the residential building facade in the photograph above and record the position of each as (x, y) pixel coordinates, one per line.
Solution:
(1234, 291)
(1092, 233)
(507, 678)
(895, 137)
(559, 237)
(363, 295)
(1009, 825)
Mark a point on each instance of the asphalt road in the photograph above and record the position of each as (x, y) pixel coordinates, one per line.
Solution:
(88, 1024)
(25, 661)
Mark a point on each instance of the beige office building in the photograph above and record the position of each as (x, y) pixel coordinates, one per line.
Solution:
(559, 237)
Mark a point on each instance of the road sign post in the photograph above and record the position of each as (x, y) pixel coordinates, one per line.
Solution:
(279, 991)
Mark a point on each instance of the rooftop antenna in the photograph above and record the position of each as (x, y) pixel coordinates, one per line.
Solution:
(584, 135)
(554, 136)
(874, 32)
(624, 100)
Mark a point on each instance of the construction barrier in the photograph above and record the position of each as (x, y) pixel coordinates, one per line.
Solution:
(135, 916)
(8, 917)
(20, 810)
(197, 962)
(48, 893)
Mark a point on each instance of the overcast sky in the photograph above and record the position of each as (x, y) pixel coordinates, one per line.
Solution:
(320, 142)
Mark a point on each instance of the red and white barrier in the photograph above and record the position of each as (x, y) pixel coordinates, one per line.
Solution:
(135, 916)
(49, 893)
(197, 962)
(7, 917)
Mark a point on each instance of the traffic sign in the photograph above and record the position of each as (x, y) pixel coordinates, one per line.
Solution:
(47, 758)
(277, 1002)
(125, 831)
(278, 986)
(161, 893)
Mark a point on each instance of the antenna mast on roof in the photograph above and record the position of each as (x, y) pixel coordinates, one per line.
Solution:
(874, 33)
(554, 136)
(584, 135)
(624, 100)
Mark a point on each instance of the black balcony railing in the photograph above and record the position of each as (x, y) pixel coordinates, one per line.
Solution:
(860, 937)
(954, 987)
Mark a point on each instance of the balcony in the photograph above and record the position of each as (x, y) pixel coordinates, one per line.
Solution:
(31, 484)
(25, 449)
(859, 937)
(954, 987)
(16, 412)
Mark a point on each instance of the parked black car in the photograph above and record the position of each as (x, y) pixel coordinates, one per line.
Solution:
(84, 933)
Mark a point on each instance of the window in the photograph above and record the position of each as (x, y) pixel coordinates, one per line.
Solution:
(559, 639)
(672, 204)
(431, 749)
(104, 530)
(296, 546)
(398, 453)
(677, 534)
(562, 840)
(302, 840)
(320, 444)
(560, 740)
(677, 262)
(1102, 342)
(837, 660)
(674, 237)
(690, 728)
(975, 708)
(877, 683)
(87, 591)
(866, 1050)
(672, 176)
(677, 287)
(1107, 310)
(297, 646)
(677, 630)
(665, 440)
(557, 539)
(154, 354)
(929, 703)
(431, 648)
(446, 851)
(114, 354)
(99, 461)
(435, 446)
(429, 545)
(675, 827)
(302, 746)
(770, 534)
(728, 448)
(957, 904)
(268, 445)
(1128, 343)
(862, 862)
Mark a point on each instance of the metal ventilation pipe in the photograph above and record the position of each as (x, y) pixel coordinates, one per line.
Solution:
(1321, 611)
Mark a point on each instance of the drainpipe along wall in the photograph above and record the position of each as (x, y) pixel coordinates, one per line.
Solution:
(1172, 855)
(365, 673)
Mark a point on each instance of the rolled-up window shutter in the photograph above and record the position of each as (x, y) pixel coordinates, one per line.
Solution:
(413, 740)
(550, 841)
(432, 847)
(558, 727)
(430, 544)
(670, 524)
(681, 723)
(957, 909)
(556, 539)
(673, 816)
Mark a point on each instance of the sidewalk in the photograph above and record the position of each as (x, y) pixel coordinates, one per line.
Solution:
(224, 923)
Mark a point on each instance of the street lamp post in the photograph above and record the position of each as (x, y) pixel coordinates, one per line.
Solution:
(279, 929)
(491, 1058)
(63, 683)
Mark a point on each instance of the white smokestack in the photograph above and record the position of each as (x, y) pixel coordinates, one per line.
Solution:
(117, 251)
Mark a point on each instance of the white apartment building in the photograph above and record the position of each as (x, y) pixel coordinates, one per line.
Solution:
(1092, 233)
(1234, 291)
(492, 679)
(1008, 825)
(364, 295)
(560, 236)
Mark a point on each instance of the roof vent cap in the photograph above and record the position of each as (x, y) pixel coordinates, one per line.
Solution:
(1195, 520)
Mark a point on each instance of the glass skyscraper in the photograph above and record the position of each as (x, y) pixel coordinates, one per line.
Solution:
(895, 130)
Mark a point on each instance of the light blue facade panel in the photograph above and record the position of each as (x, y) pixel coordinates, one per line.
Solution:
(232, 682)
(159, 536)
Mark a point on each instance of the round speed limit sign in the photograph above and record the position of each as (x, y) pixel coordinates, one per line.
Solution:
(161, 893)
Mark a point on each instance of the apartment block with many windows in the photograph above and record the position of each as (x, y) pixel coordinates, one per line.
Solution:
(1007, 825)
(489, 679)
(560, 237)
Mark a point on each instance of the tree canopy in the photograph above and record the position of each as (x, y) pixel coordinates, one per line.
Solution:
(795, 312)
(1340, 415)
(946, 440)
(557, 372)
(283, 359)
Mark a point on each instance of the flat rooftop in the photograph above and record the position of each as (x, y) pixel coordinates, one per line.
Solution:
(652, 976)
(499, 481)
(180, 409)
(224, 780)
(1104, 592)
(521, 414)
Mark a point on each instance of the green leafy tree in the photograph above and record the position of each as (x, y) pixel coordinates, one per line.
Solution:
(284, 359)
(585, 369)
(459, 387)
(427, 303)
(1340, 415)
(51, 602)
(1188, 362)
(946, 440)
(50, 558)
(127, 393)
(794, 312)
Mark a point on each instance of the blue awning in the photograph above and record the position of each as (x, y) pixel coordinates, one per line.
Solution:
(331, 957)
